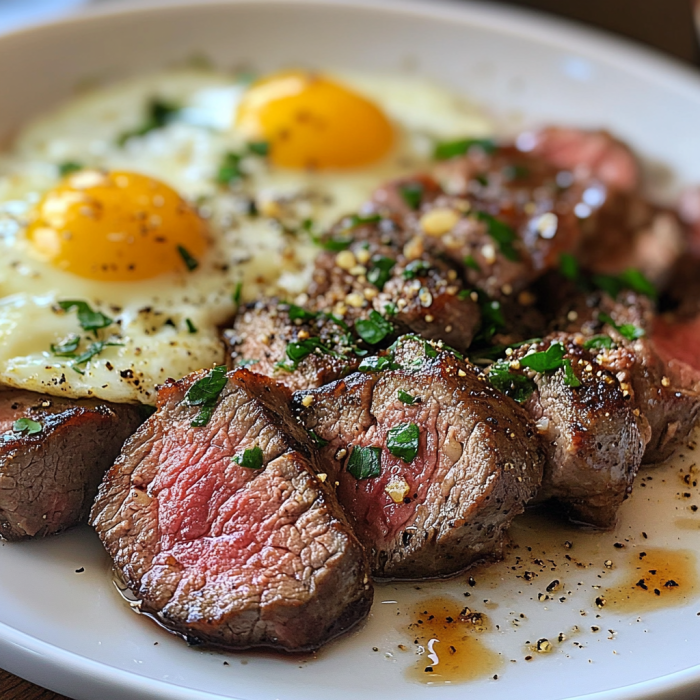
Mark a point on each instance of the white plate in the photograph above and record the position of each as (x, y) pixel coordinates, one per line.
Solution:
(69, 631)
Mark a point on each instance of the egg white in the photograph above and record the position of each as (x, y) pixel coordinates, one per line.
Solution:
(257, 240)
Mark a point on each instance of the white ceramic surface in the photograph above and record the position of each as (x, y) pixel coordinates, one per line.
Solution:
(70, 632)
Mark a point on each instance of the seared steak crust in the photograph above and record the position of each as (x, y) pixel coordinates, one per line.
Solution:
(478, 461)
(224, 554)
(415, 291)
(593, 439)
(49, 479)
(263, 331)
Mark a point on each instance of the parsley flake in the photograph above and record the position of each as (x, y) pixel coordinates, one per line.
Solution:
(568, 267)
(365, 462)
(406, 398)
(236, 296)
(373, 329)
(317, 439)
(627, 330)
(94, 349)
(252, 458)
(229, 169)
(402, 441)
(415, 268)
(68, 167)
(297, 313)
(451, 149)
(376, 363)
(27, 425)
(599, 342)
(379, 271)
(259, 148)
(88, 319)
(518, 386)
(412, 193)
(67, 347)
(501, 233)
(470, 262)
(159, 114)
(190, 262)
(205, 393)
(191, 328)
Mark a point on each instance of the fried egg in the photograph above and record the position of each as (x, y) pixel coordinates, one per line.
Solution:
(134, 218)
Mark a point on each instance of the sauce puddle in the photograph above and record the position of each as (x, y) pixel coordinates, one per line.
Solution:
(447, 635)
(654, 578)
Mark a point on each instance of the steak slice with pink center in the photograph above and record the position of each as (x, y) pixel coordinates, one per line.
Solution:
(224, 531)
(432, 464)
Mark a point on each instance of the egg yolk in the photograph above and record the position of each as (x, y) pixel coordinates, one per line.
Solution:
(310, 121)
(116, 226)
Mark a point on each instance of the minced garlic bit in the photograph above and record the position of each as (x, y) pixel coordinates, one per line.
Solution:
(438, 222)
(303, 335)
(341, 453)
(321, 477)
(543, 646)
(414, 248)
(345, 260)
(307, 401)
(358, 270)
(355, 300)
(370, 293)
(665, 381)
(461, 373)
(489, 253)
(362, 256)
(397, 488)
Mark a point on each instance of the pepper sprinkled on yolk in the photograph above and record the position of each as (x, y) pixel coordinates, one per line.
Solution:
(310, 121)
(116, 226)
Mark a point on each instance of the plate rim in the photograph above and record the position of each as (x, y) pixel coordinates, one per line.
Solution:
(18, 647)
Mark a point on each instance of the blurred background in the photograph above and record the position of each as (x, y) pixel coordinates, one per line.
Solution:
(667, 25)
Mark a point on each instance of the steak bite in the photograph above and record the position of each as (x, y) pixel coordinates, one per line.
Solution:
(374, 276)
(432, 464)
(217, 519)
(299, 348)
(592, 436)
(634, 346)
(53, 455)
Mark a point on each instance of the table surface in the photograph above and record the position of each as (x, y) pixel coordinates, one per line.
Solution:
(664, 24)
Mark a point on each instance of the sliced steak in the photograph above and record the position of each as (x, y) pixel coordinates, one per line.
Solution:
(593, 440)
(414, 291)
(224, 532)
(300, 349)
(586, 154)
(636, 348)
(49, 478)
(431, 463)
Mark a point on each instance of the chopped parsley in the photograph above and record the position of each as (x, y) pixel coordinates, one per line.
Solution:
(159, 114)
(191, 328)
(406, 398)
(68, 167)
(390, 309)
(598, 342)
(229, 169)
(205, 393)
(568, 267)
(492, 320)
(259, 148)
(27, 425)
(335, 243)
(412, 193)
(236, 296)
(501, 233)
(415, 269)
(365, 462)
(429, 349)
(471, 263)
(626, 330)
(515, 172)
(191, 263)
(252, 458)
(88, 319)
(93, 349)
(377, 363)
(482, 179)
(379, 270)
(317, 439)
(355, 220)
(451, 149)
(630, 279)
(297, 313)
(373, 329)
(550, 360)
(518, 386)
(402, 441)
(300, 349)
(67, 347)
